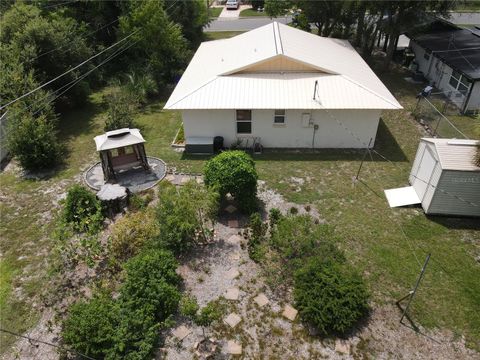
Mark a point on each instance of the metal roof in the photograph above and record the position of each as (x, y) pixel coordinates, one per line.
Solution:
(118, 138)
(218, 76)
(456, 154)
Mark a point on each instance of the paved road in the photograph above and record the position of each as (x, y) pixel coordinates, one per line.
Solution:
(245, 24)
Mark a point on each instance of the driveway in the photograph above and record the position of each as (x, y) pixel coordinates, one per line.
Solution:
(232, 14)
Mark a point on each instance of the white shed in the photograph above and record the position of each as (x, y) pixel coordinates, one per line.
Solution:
(446, 178)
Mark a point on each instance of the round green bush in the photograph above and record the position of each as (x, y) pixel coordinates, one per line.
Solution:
(234, 172)
(331, 296)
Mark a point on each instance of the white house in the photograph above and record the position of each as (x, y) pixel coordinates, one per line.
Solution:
(282, 87)
(445, 179)
(449, 57)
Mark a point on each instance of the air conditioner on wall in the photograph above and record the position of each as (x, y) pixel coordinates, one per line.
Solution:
(307, 120)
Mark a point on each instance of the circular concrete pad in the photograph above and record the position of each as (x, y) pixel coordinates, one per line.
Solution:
(135, 179)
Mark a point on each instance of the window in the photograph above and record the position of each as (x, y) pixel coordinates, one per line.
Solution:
(459, 82)
(129, 150)
(244, 121)
(279, 117)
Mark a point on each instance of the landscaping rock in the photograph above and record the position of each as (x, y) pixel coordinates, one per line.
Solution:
(232, 320)
(234, 348)
(232, 273)
(289, 312)
(342, 346)
(232, 293)
(181, 332)
(261, 300)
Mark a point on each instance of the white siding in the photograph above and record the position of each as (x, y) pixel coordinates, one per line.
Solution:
(330, 134)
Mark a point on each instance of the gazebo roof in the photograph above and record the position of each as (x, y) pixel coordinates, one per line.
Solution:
(118, 138)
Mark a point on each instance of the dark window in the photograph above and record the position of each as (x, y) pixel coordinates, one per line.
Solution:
(279, 117)
(244, 121)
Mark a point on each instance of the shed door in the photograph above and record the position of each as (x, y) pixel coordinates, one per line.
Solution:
(424, 173)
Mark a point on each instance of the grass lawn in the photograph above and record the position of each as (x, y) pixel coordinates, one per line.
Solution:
(251, 12)
(385, 244)
(217, 35)
(214, 12)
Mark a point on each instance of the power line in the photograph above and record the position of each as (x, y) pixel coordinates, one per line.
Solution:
(46, 343)
(68, 71)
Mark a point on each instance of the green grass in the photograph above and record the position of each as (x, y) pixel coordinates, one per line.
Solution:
(251, 12)
(217, 35)
(449, 296)
(215, 11)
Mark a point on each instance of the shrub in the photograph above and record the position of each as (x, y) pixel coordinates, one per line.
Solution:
(138, 202)
(298, 237)
(131, 233)
(127, 328)
(185, 216)
(293, 210)
(209, 313)
(330, 296)
(234, 172)
(91, 327)
(33, 141)
(256, 237)
(121, 106)
(189, 307)
(83, 210)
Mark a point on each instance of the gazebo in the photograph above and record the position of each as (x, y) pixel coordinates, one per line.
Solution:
(121, 150)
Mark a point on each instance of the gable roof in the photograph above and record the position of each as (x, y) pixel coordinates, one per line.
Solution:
(455, 154)
(225, 74)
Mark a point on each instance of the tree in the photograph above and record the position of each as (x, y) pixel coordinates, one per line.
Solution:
(121, 106)
(276, 8)
(192, 16)
(43, 44)
(403, 14)
(157, 42)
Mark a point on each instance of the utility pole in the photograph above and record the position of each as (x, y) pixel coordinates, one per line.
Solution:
(412, 293)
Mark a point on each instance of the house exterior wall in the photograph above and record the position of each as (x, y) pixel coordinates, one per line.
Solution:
(293, 134)
(425, 173)
(462, 184)
(439, 73)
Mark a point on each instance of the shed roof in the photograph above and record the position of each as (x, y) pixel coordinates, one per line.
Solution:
(118, 138)
(455, 154)
(224, 74)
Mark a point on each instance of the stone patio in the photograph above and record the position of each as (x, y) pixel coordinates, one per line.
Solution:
(136, 179)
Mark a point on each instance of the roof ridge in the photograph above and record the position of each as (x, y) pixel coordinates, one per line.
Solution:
(277, 38)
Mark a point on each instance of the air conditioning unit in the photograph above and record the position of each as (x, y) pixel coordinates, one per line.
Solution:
(307, 120)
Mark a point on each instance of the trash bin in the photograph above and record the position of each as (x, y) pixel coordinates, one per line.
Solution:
(217, 143)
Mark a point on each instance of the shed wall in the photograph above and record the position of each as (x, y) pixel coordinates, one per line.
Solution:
(465, 185)
(330, 134)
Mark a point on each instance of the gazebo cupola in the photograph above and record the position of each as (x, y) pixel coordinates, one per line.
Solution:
(121, 150)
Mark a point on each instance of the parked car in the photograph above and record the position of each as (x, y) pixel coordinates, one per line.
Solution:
(232, 4)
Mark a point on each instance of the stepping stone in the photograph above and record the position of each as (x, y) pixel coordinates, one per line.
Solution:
(261, 300)
(289, 312)
(234, 348)
(232, 320)
(234, 256)
(185, 180)
(233, 223)
(181, 332)
(199, 181)
(234, 239)
(341, 346)
(232, 273)
(170, 178)
(232, 293)
(230, 209)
